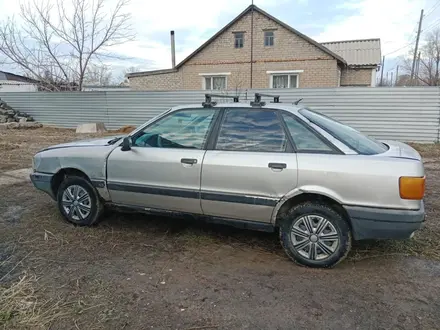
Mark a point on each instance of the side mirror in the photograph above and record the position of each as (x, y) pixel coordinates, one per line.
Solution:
(126, 144)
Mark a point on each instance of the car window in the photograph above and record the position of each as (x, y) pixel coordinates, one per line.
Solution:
(304, 139)
(181, 129)
(354, 139)
(251, 130)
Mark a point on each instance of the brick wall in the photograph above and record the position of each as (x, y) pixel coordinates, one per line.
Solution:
(356, 77)
(163, 81)
(290, 52)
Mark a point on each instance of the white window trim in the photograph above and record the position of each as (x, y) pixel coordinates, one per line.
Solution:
(213, 75)
(289, 73)
(285, 71)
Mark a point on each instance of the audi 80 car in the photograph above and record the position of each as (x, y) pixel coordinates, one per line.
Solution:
(256, 165)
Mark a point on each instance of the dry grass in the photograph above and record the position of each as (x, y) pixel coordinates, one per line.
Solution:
(21, 306)
(427, 150)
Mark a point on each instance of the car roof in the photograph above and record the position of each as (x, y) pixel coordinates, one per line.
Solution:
(268, 105)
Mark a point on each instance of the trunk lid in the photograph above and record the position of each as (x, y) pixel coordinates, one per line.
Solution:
(400, 150)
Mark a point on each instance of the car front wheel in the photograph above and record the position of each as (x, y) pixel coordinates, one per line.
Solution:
(313, 234)
(78, 201)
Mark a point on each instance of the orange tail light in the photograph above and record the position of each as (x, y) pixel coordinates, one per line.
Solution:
(411, 187)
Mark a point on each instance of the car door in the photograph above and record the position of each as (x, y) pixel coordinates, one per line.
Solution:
(251, 167)
(162, 169)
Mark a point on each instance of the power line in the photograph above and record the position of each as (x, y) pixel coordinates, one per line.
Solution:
(406, 45)
(403, 47)
(433, 8)
(432, 26)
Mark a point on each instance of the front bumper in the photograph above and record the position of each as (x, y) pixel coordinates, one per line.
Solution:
(43, 181)
(376, 223)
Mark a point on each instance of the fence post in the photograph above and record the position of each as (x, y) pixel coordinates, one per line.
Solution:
(106, 108)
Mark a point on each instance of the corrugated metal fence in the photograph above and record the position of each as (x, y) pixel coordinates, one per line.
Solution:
(407, 114)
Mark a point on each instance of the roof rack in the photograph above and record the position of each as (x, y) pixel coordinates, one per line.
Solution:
(209, 103)
(257, 101)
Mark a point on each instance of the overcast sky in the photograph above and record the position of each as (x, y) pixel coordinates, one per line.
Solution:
(195, 21)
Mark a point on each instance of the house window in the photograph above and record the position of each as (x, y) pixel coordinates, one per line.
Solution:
(284, 81)
(215, 83)
(238, 39)
(268, 38)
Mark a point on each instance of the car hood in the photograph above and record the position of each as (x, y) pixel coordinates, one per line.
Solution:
(104, 141)
(400, 150)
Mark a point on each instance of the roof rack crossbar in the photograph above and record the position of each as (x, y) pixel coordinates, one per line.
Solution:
(257, 100)
(276, 98)
(208, 99)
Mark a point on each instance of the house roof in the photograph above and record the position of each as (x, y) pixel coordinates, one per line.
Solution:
(364, 52)
(4, 75)
(150, 73)
(247, 10)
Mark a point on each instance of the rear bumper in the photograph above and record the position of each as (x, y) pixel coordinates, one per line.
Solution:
(42, 181)
(375, 223)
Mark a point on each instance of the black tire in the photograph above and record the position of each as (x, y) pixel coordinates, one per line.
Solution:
(338, 228)
(96, 206)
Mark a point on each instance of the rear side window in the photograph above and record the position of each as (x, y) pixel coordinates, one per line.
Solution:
(304, 139)
(354, 139)
(251, 130)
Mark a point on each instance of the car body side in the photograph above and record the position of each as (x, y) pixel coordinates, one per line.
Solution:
(365, 187)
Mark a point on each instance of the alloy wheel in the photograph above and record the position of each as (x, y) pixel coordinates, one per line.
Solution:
(76, 202)
(314, 237)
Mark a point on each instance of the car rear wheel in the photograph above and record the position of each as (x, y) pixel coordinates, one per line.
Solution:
(78, 201)
(313, 234)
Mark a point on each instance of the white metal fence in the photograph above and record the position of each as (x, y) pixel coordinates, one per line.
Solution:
(407, 114)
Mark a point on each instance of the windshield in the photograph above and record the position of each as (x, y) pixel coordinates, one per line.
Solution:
(354, 139)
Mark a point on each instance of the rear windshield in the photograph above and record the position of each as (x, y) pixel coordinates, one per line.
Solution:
(354, 139)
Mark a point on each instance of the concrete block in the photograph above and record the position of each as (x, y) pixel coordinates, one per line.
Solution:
(91, 128)
(29, 125)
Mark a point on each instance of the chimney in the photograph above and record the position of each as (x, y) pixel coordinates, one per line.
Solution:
(173, 50)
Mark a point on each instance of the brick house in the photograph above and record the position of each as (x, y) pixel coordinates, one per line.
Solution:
(269, 55)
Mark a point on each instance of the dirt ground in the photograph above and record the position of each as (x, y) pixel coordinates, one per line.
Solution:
(140, 272)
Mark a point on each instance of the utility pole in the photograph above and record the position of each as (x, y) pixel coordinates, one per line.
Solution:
(397, 75)
(252, 42)
(416, 75)
(417, 46)
(381, 73)
(391, 80)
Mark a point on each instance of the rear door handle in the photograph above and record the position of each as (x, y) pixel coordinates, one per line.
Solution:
(190, 161)
(278, 166)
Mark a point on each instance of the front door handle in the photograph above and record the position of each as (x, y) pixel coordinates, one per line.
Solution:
(190, 161)
(277, 166)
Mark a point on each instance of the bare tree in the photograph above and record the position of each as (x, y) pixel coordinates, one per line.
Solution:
(428, 66)
(384, 83)
(403, 80)
(123, 80)
(237, 82)
(100, 75)
(56, 43)
(131, 69)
